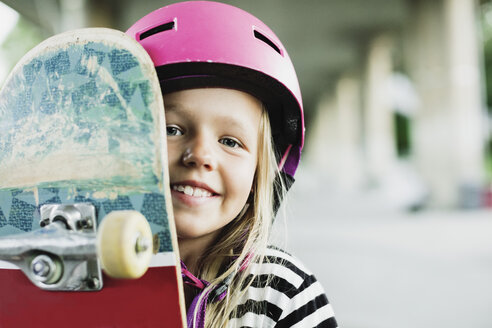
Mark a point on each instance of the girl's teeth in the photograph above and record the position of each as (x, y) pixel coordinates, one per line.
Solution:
(188, 190)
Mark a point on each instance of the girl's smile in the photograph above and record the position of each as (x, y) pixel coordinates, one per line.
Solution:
(212, 138)
(191, 190)
(193, 193)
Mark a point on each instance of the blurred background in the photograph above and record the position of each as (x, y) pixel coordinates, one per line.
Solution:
(392, 209)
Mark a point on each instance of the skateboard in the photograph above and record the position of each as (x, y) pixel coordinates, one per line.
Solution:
(87, 236)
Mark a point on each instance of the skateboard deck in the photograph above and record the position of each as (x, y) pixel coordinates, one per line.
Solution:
(82, 121)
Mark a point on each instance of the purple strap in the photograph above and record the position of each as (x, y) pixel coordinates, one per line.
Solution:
(218, 294)
(190, 279)
(202, 307)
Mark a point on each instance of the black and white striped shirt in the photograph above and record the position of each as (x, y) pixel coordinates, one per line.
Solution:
(283, 294)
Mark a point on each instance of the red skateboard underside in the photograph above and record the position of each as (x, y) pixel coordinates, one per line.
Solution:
(121, 303)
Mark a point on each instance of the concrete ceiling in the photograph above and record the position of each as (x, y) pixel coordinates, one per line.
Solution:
(324, 37)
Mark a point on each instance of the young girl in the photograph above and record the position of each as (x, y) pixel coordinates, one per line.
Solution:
(235, 132)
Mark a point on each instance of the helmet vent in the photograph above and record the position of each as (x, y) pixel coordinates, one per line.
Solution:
(157, 29)
(265, 39)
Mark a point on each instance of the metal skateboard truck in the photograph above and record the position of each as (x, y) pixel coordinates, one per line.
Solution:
(65, 254)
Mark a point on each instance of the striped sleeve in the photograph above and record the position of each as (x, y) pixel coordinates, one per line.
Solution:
(283, 294)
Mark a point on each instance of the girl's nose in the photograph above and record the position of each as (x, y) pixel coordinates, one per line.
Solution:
(198, 155)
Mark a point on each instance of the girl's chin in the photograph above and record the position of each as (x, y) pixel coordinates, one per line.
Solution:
(187, 235)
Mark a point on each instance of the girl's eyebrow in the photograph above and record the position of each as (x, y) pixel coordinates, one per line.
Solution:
(170, 107)
(177, 109)
(231, 122)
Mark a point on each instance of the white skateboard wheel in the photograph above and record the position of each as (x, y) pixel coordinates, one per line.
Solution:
(124, 244)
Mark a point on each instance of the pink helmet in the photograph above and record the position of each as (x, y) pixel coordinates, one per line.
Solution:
(202, 43)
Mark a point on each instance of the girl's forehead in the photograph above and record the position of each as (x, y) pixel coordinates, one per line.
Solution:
(229, 105)
(212, 94)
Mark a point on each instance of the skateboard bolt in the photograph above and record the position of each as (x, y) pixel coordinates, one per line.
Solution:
(43, 268)
(84, 224)
(88, 223)
(142, 244)
(94, 283)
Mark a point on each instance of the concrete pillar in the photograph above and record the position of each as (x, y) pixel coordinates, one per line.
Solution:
(320, 148)
(348, 119)
(378, 114)
(334, 146)
(73, 14)
(443, 62)
(62, 15)
(465, 92)
(65, 15)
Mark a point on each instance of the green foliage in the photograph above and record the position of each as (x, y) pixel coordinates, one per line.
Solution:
(486, 24)
(402, 126)
(488, 161)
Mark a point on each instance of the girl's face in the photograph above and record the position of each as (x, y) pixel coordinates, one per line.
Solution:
(212, 136)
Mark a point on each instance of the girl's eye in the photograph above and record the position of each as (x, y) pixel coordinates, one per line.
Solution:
(229, 142)
(173, 130)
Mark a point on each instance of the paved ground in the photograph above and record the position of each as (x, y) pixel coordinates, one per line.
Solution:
(386, 269)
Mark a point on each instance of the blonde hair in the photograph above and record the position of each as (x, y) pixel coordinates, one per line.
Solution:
(244, 240)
